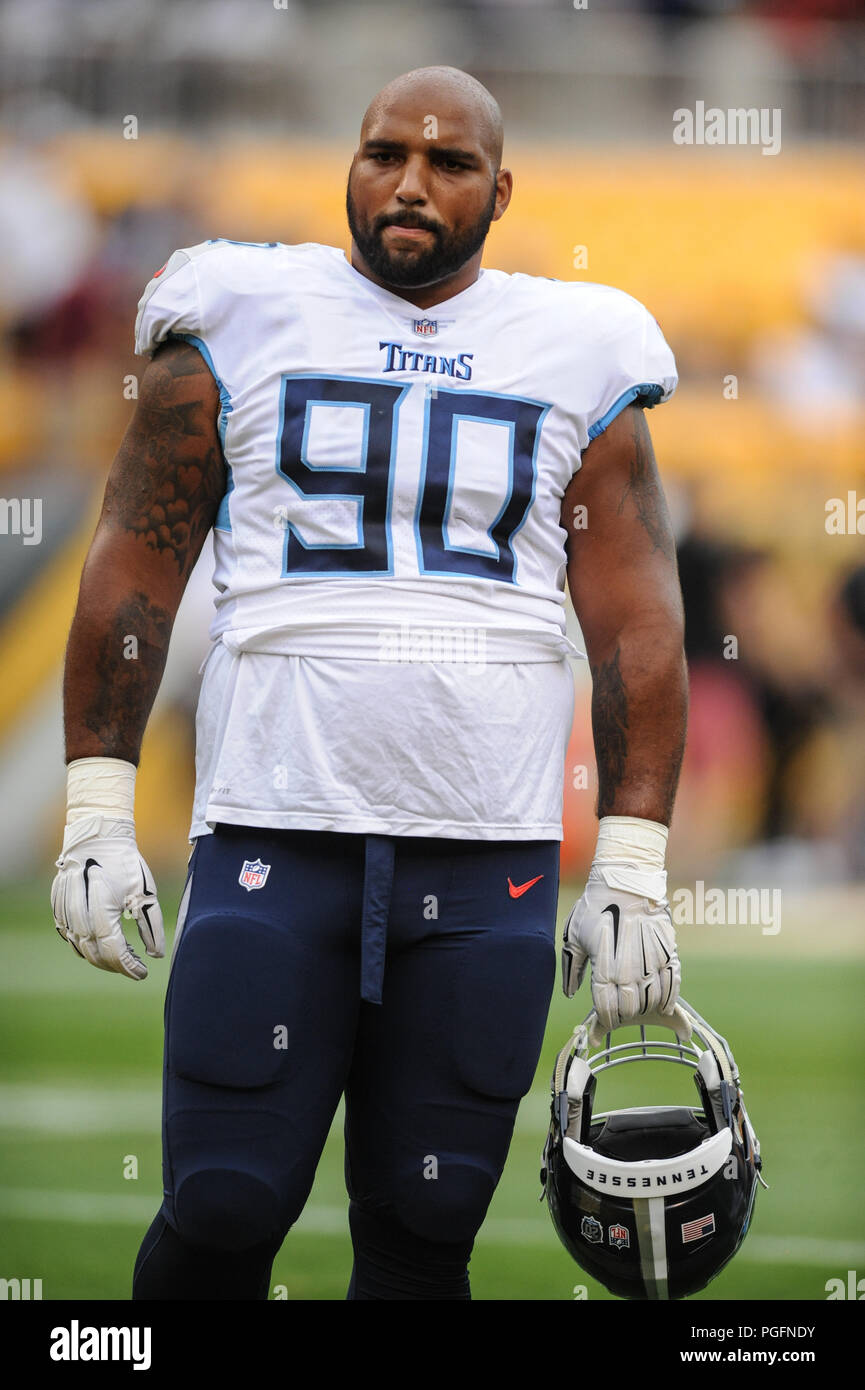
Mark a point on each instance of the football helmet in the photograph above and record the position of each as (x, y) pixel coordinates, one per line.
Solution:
(651, 1201)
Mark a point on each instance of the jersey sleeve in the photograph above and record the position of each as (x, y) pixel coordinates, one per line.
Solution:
(639, 366)
(170, 303)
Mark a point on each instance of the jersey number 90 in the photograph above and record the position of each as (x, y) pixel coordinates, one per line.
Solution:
(338, 443)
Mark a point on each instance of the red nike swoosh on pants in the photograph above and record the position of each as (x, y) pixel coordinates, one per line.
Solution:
(524, 887)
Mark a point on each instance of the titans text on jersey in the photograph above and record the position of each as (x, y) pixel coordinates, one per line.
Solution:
(402, 359)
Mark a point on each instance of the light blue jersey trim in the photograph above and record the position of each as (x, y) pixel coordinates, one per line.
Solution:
(649, 393)
(223, 517)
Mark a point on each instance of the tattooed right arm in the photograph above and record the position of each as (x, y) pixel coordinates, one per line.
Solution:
(624, 584)
(161, 499)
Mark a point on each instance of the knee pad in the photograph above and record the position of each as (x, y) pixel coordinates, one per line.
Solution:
(224, 1209)
(449, 1207)
(391, 1262)
(169, 1269)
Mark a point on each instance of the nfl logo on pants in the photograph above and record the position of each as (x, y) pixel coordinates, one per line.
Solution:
(253, 874)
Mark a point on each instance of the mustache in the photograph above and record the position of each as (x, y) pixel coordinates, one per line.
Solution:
(406, 219)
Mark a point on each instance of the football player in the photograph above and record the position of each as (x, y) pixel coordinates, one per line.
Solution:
(402, 456)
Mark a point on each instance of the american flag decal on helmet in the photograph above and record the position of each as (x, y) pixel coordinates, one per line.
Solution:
(695, 1230)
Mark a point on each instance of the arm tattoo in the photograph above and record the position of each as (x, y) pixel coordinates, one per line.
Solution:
(169, 476)
(128, 675)
(610, 727)
(645, 490)
(667, 789)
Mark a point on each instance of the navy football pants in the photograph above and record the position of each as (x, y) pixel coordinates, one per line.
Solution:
(402, 972)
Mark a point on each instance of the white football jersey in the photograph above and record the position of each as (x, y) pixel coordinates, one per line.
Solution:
(390, 652)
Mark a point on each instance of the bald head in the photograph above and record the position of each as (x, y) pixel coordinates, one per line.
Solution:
(445, 93)
(426, 183)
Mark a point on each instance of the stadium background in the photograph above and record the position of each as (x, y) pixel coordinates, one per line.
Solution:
(127, 130)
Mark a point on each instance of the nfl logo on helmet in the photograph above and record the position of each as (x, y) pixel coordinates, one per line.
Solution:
(253, 874)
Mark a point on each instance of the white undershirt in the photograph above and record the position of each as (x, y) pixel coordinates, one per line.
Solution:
(441, 748)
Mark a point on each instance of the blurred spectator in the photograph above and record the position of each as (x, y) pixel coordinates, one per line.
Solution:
(47, 234)
(818, 371)
(722, 792)
(832, 774)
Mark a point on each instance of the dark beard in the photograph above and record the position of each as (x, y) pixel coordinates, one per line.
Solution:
(413, 268)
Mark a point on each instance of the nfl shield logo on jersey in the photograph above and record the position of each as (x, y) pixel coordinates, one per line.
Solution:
(425, 328)
(253, 874)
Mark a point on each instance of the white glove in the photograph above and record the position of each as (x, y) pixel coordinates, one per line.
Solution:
(102, 877)
(622, 925)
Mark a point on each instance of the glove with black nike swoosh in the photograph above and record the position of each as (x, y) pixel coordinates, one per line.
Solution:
(102, 877)
(622, 925)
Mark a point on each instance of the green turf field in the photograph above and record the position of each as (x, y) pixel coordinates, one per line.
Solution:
(80, 1104)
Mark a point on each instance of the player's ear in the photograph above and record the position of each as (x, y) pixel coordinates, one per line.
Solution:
(505, 187)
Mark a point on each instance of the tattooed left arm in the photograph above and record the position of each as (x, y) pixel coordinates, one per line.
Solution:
(624, 583)
(161, 499)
